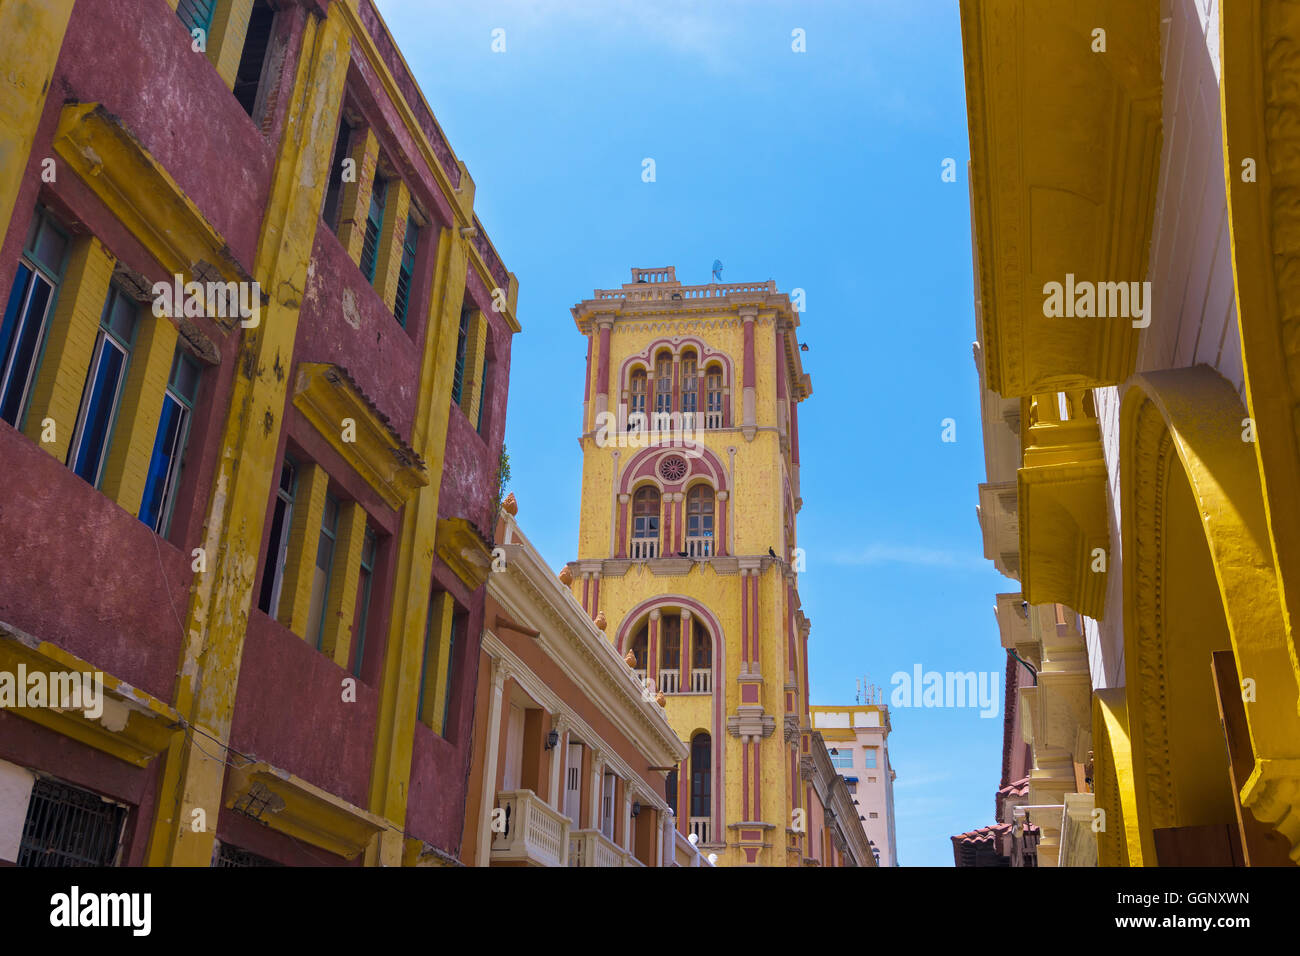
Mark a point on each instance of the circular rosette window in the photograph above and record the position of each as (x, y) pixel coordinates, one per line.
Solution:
(672, 468)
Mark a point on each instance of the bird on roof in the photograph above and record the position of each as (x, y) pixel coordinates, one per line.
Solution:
(771, 553)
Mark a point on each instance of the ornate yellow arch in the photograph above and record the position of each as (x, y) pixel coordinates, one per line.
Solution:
(1260, 96)
(1184, 465)
(1119, 842)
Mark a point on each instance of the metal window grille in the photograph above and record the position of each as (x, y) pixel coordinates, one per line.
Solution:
(482, 394)
(68, 826)
(462, 341)
(374, 227)
(196, 14)
(406, 271)
(228, 855)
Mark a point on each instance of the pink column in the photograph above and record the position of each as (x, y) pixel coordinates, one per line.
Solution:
(688, 646)
(680, 536)
(758, 779)
(789, 626)
(794, 432)
(652, 650)
(701, 397)
(749, 371)
(650, 394)
(586, 593)
(622, 526)
(780, 365)
(744, 619)
(677, 385)
(586, 385)
(666, 539)
(595, 598)
(602, 367)
(755, 658)
(744, 775)
(720, 539)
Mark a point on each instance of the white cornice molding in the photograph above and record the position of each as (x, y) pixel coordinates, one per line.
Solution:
(526, 587)
(538, 690)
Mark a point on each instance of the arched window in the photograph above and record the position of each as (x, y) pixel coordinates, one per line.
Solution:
(701, 659)
(713, 396)
(670, 653)
(701, 784)
(640, 643)
(636, 399)
(664, 385)
(699, 521)
(645, 523)
(690, 390)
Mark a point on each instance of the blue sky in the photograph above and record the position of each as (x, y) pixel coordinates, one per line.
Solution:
(820, 170)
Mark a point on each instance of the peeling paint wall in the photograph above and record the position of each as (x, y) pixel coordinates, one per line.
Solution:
(328, 740)
(79, 571)
(64, 547)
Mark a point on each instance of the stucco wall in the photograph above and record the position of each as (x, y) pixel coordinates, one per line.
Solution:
(1194, 316)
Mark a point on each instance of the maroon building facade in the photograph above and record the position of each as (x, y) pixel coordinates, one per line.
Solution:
(268, 532)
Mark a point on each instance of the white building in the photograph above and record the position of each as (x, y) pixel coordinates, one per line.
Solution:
(857, 738)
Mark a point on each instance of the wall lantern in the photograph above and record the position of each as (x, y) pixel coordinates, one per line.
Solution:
(636, 807)
(552, 739)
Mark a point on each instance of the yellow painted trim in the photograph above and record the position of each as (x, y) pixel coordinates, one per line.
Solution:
(217, 619)
(129, 453)
(291, 805)
(31, 34)
(134, 726)
(70, 343)
(345, 577)
(355, 201)
(399, 689)
(1120, 842)
(327, 398)
(461, 197)
(437, 658)
(392, 239)
(1050, 197)
(1062, 510)
(226, 37)
(141, 194)
(475, 365)
(1195, 415)
(304, 538)
(1258, 97)
(464, 551)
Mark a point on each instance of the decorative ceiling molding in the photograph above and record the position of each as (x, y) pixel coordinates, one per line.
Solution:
(1064, 527)
(1065, 151)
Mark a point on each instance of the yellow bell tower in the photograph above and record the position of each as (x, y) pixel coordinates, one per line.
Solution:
(688, 555)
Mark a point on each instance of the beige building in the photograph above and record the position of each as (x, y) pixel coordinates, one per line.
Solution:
(857, 741)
